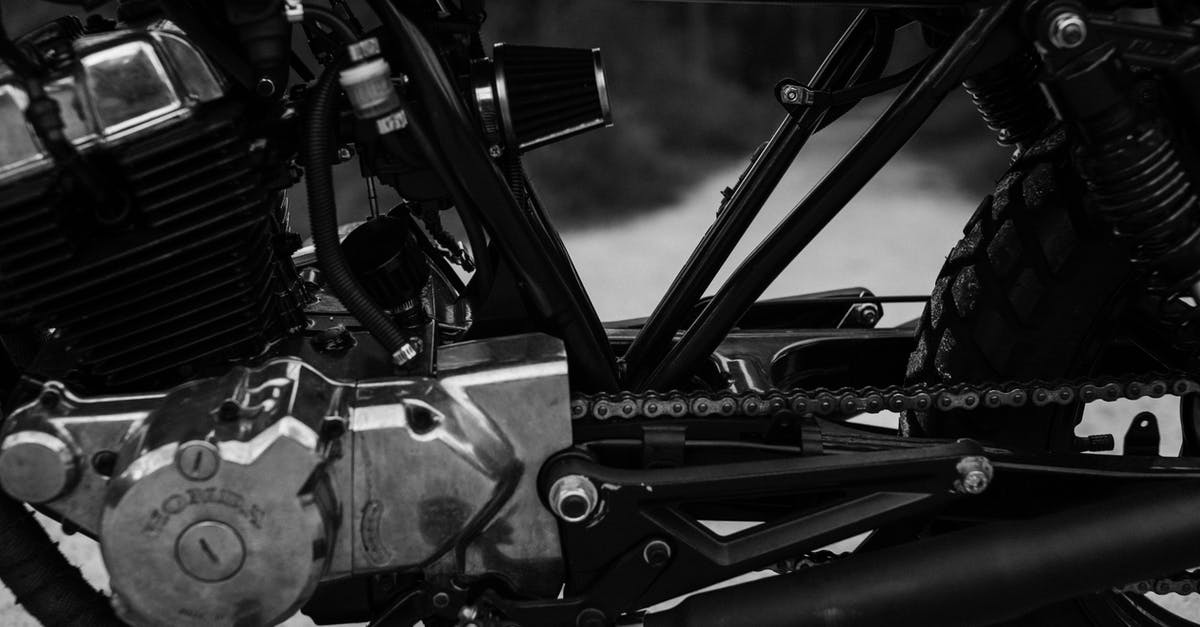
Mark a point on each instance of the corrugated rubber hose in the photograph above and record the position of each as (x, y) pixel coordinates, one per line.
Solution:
(322, 212)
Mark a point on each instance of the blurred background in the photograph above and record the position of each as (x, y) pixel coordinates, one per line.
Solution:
(691, 89)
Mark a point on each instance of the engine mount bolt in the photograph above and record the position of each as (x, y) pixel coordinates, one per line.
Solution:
(36, 466)
(573, 498)
(656, 553)
(210, 551)
(1067, 30)
(974, 475)
(197, 460)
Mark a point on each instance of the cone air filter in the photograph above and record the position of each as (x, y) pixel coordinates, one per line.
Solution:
(535, 95)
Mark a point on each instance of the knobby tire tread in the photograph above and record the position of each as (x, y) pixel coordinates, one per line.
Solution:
(1026, 293)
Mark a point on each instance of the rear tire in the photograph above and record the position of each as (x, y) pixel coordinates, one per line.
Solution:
(1029, 292)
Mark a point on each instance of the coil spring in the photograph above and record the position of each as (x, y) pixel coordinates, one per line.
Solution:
(1141, 188)
(1008, 98)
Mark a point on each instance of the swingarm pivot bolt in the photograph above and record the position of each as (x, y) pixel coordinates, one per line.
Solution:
(573, 498)
(1067, 30)
(974, 475)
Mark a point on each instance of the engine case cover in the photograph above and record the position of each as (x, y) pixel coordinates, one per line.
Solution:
(232, 498)
(218, 517)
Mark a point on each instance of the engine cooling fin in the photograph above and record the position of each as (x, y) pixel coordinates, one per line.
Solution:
(193, 279)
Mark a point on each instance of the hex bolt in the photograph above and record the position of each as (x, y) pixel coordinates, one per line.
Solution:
(656, 553)
(1067, 30)
(197, 460)
(974, 475)
(790, 93)
(573, 498)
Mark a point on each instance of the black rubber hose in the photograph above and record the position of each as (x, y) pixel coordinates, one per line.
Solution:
(322, 212)
(42, 580)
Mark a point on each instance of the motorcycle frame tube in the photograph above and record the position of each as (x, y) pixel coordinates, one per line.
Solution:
(550, 287)
(974, 577)
(840, 68)
(876, 148)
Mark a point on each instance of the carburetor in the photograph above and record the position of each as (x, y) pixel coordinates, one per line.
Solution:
(228, 500)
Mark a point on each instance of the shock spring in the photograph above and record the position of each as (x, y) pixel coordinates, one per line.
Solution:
(1009, 100)
(1139, 185)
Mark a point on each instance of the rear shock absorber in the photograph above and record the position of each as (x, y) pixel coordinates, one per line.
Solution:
(1009, 100)
(1137, 182)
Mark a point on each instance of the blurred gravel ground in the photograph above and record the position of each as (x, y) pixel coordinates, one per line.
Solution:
(891, 239)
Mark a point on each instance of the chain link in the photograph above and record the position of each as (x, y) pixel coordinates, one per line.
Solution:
(870, 400)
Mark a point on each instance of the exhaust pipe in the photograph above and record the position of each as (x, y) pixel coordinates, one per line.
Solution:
(974, 577)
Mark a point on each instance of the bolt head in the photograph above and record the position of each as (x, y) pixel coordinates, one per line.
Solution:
(441, 600)
(1068, 30)
(495, 151)
(974, 475)
(656, 553)
(791, 93)
(573, 498)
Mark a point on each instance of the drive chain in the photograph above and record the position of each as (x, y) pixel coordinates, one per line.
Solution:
(841, 402)
(870, 400)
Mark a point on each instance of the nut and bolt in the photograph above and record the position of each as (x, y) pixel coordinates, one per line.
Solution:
(790, 93)
(1067, 30)
(573, 498)
(197, 460)
(495, 151)
(656, 553)
(974, 475)
(866, 314)
(344, 154)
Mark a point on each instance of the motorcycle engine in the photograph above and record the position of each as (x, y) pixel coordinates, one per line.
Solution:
(189, 270)
(212, 419)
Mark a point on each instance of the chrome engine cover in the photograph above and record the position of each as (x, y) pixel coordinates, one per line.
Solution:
(231, 498)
